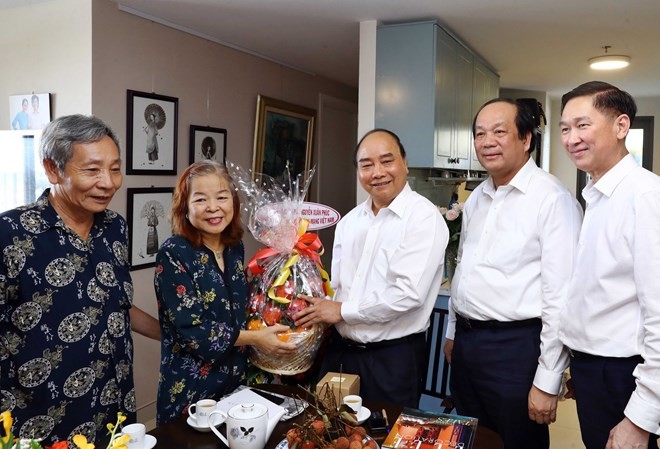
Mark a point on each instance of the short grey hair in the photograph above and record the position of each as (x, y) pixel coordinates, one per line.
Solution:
(61, 134)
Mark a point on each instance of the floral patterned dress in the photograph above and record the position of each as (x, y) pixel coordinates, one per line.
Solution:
(201, 311)
(66, 352)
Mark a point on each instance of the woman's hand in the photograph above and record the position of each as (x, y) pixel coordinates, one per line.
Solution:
(266, 340)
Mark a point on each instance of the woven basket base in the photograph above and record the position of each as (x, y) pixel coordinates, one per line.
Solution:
(307, 345)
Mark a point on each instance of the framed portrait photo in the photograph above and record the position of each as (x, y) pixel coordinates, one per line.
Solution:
(148, 223)
(208, 143)
(283, 137)
(151, 133)
(29, 111)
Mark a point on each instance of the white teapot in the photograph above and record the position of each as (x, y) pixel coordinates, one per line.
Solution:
(248, 426)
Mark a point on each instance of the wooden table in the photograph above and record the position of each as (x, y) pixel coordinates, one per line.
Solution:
(178, 434)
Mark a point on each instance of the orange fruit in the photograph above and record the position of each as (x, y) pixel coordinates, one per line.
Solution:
(284, 336)
(255, 324)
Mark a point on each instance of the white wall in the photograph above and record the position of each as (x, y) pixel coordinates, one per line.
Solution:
(47, 48)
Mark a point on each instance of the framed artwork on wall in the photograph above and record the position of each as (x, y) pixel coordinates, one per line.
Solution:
(208, 143)
(151, 133)
(148, 223)
(283, 137)
(29, 111)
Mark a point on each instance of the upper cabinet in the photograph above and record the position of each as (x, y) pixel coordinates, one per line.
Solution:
(428, 88)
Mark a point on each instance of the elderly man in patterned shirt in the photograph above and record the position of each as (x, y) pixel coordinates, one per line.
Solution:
(66, 352)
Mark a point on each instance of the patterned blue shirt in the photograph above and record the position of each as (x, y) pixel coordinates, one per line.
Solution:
(66, 351)
(201, 311)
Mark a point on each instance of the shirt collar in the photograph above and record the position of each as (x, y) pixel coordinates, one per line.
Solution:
(519, 181)
(51, 218)
(398, 204)
(613, 177)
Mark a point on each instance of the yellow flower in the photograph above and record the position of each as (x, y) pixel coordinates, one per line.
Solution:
(120, 442)
(110, 427)
(81, 442)
(7, 421)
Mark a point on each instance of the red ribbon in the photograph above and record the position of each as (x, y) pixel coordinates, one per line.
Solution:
(308, 244)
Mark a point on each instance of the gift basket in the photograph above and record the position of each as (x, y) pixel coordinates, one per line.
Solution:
(289, 266)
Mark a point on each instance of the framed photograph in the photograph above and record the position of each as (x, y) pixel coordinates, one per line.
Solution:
(29, 111)
(283, 137)
(148, 223)
(208, 143)
(151, 133)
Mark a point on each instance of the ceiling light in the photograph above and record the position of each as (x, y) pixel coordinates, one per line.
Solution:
(609, 62)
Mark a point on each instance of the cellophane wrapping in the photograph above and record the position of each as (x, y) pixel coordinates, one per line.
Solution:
(289, 266)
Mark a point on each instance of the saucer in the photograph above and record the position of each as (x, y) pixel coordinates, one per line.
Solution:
(364, 414)
(217, 420)
(149, 441)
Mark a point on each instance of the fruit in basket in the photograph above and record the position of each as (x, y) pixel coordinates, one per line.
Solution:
(272, 314)
(296, 306)
(285, 290)
(257, 303)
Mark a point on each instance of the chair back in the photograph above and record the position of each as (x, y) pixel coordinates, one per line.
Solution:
(436, 381)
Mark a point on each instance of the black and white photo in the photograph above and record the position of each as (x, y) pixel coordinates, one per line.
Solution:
(148, 223)
(151, 133)
(208, 143)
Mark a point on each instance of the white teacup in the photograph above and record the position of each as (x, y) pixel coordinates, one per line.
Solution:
(200, 411)
(137, 432)
(354, 402)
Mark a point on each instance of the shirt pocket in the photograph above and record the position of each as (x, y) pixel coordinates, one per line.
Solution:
(505, 252)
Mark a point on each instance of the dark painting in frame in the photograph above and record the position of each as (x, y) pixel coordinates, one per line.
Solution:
(283, 136)
(208, 143)
(148, 223)
(151, 133)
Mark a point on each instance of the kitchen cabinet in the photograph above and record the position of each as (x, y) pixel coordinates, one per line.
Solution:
(486, 86)
(425, 80)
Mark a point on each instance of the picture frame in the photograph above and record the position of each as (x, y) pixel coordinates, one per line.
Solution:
(148, 223)
(151, 133)
(29, 111)
(208, 143)
(284, 134)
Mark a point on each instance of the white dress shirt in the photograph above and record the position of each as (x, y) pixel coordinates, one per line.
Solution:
(387, 268)
(515, 260)
(614, 302)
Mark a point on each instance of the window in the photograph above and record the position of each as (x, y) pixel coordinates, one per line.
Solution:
(22, 177)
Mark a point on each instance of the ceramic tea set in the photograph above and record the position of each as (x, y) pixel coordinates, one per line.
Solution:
(248, 424)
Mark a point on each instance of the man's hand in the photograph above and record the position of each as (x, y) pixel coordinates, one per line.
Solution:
(320, 311)
(542, 406)
(627, 435)
(449, 347)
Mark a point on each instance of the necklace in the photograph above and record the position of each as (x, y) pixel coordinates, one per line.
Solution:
(218, 256)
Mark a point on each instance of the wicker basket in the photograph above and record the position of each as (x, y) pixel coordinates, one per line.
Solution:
(307, 345)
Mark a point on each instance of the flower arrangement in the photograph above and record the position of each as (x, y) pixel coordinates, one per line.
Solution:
(453, 216)
(8, 441)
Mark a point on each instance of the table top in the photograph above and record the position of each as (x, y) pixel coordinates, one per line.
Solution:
(177, 434)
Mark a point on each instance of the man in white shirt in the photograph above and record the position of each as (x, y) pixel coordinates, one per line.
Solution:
(518, 238)
(611, 321)
(387, 267)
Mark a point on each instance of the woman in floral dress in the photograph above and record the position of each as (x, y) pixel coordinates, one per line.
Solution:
(202, 294)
